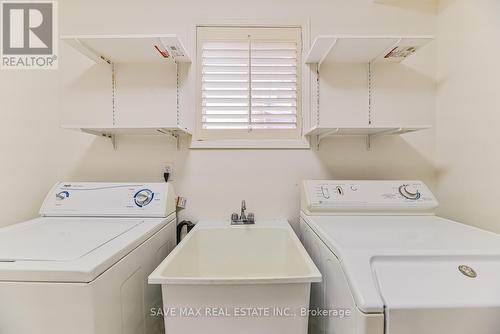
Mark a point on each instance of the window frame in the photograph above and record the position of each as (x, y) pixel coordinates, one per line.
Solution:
(255, 138)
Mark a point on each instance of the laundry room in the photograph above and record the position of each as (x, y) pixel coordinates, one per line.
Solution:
(264, 128)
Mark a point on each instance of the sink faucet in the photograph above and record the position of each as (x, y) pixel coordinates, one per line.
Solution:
(243, 219)
(243, 209)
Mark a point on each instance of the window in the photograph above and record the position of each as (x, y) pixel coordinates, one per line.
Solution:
(249, 83)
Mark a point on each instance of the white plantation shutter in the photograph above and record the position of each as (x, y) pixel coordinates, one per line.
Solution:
(250, 81)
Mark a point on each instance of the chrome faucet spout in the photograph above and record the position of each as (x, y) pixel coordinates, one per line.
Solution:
(244, 218)
(243, 209)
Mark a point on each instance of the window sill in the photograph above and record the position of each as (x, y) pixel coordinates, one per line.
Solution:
(289, 144)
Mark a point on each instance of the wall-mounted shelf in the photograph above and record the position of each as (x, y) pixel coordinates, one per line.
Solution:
(133, 49)
(113, 132)
(364, 49)
(129, 48)
(369, 131)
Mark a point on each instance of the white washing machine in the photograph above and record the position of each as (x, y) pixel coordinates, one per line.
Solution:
(83, 266)
(391, 266)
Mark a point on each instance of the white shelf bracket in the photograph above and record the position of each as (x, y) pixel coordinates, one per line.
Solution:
(177, 140)
(111, 137)
(175, 135)
(369, 138)
(322, 136)
(86, 50)
(369, 143)
(114, 142)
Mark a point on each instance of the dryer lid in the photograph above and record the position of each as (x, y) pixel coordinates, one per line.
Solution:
(432, 295)
(358, 240)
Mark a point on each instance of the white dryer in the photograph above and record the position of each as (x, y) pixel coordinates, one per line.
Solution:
(391, 266)
(83, 266)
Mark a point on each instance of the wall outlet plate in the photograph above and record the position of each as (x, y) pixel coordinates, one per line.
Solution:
(181, 202)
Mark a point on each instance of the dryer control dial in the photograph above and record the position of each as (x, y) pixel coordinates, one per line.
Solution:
(325, 192)
(409, 191)
(143, 197)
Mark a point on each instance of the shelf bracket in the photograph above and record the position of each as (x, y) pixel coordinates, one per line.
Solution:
(177, 140)
(322, 136)
(174, 134)
(369, 138)
(111, 137)
(114, 142)
(86, 50)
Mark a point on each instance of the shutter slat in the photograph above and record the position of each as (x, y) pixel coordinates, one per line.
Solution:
(223, 101)
(224, 109)
(261, 94)
(225, 118)
(225, 62)
(243, 126)
(225, 113)
(225, 86)
(257, 117)
(224, 94)
(274, 86)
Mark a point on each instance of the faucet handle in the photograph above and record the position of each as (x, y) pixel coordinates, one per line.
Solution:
(234, 217)
(251, 217)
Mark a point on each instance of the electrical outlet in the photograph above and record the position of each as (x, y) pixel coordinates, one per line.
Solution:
(169, 168)
(181, 202)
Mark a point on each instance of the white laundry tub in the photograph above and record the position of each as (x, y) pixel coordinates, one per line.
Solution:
(237, 279)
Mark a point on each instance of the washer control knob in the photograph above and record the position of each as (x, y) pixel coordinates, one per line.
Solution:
(60, 196)
(143, 197)
(409, 191)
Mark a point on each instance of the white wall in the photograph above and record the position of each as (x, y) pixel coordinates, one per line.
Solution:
(468, 114)
(29, 135)
(213, 180)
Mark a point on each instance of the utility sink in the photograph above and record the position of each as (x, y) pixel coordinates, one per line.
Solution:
(237, 279)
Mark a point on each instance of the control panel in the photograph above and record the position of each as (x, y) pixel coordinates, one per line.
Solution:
(330, 196)
(109, 199)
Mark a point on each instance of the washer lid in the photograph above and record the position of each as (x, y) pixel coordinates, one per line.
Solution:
(59, 239)
(432, 295)
(70, 249)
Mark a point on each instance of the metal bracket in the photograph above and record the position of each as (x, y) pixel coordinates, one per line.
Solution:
(114, 142)
(111, 137)
(322, 136)
(174, 134)
(178, 140)
(370, 89)
(369, 138)
(177, 94)
(318, 97)
(113, 92)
